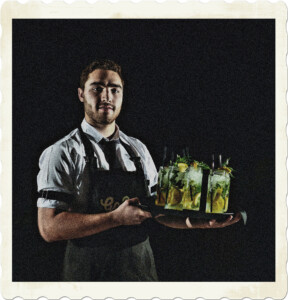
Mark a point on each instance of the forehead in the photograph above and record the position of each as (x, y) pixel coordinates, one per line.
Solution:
(105, 76)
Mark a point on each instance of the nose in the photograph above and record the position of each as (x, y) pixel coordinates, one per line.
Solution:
(106, 95)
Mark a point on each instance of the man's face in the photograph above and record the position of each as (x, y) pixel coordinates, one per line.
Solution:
(102, 97)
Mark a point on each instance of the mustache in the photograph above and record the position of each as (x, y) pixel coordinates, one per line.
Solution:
(103, 105)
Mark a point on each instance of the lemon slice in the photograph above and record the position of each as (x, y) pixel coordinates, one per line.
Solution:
(196, 199)
(194, 164)
(182, 167)
(218, 205)
(217, 193)
(227, 169)
(226, 204)
(186, 199)
(175, 196)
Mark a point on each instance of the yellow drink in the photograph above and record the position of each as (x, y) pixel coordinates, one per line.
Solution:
(218, 192)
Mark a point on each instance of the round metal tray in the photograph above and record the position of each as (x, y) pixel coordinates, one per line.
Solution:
(160, 210)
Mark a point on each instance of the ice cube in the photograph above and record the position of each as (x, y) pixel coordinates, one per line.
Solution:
(220, 179)
(194, 175)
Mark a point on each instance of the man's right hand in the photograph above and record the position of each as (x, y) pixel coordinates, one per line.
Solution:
(71, 225)
(129, 214)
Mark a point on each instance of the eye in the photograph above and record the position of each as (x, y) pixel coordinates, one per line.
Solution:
(115, 91)
(98, 89)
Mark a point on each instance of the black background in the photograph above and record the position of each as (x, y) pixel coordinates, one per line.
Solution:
(206, 84)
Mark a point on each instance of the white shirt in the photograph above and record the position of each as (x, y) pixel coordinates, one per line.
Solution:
(62, 164)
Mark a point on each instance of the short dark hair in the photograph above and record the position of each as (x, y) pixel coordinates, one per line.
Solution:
(103, 64)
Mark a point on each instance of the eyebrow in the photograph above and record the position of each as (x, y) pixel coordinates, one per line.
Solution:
(109, 84)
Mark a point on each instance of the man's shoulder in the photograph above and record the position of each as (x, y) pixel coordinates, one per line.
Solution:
(135, 143)
(145, 155)
(71, 138)
(67, 143)
(132, 140)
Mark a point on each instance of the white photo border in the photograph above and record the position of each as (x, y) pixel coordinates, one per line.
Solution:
(149, 10)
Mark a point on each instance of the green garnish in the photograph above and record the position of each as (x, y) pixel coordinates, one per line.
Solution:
(202, 165)
(184, 159)
(225, 167)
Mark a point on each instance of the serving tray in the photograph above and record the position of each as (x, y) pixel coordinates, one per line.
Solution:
(148, 204)
(156, 210)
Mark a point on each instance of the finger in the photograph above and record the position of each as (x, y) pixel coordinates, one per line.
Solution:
(226, 222)
(233, 219)
(229, 221)
(236, 218)
(212, 222)
(145, 214)
(159, 216)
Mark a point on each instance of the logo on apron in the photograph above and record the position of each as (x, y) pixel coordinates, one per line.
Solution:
(110, 204)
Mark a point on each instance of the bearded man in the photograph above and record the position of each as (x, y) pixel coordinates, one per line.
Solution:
(90, 183)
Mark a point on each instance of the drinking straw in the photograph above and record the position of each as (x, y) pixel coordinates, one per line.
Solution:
(211, 199)
(220, 160)
(184, 152)
(163, 164)
(170, 170)
(190, 188)
(172, 157)
(190, 192)
(164, 155)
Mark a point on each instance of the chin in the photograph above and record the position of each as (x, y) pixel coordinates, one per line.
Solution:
(102, 118)
(106, 121)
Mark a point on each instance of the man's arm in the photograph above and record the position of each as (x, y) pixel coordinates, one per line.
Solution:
(182, 223)
(70, 225)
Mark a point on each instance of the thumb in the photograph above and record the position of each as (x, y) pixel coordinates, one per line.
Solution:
(133, 200)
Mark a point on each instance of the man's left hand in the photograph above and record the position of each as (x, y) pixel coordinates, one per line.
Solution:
(182, 223)
(213, 223)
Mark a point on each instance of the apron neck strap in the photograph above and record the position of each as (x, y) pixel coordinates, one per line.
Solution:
(89, 151)
(91, 159)
(135, 158)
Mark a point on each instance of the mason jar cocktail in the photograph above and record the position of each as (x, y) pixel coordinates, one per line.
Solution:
(175, 192)
(192, 188)
(218, 191)
(185, 188)
(163, 186)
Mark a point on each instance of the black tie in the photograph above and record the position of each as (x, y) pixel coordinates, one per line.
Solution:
(109, 149)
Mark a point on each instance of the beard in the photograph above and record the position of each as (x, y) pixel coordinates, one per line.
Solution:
(98, 117)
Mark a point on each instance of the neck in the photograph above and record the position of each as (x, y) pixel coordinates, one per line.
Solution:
(105, 129)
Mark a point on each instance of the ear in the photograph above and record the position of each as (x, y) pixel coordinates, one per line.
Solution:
(81, 94)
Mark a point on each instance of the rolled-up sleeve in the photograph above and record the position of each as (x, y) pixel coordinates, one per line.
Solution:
(56, 174)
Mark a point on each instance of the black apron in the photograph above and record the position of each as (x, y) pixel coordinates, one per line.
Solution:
(118, 254)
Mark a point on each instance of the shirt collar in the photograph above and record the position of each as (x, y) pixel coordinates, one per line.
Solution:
(95, 134)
